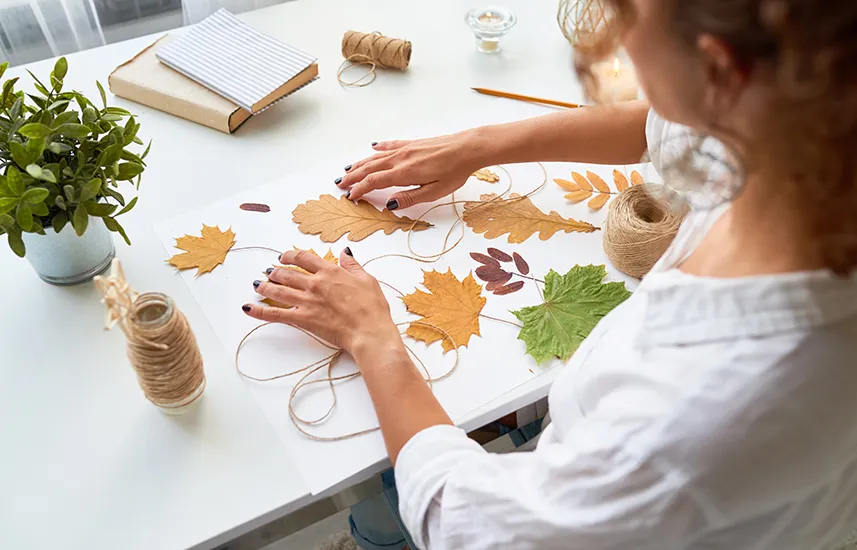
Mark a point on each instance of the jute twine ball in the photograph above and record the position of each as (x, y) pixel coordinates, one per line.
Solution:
(638, 230)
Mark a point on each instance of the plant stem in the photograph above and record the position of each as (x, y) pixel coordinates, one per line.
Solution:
(501, 320)
(528, 277)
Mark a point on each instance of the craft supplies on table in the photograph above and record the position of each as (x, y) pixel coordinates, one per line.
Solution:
(374, 51)
(530, 99)
(489, 25)
(617, 81)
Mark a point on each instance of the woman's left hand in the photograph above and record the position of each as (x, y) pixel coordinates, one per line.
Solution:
(342, 304)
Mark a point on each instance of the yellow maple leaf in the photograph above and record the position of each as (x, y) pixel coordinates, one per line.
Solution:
(520, 218)
(329, 257)
(620, 180)
(331, 218)
(636, 178)
(449, 304)
(205, 252)
(485, 174)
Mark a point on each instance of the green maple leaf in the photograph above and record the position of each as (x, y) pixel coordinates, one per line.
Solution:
(574, 303)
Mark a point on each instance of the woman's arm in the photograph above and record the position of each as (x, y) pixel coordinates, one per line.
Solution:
(609, 134)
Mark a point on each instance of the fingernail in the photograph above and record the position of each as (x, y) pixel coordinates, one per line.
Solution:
(256, 284)
(246, 308)
(348, 194)
(374, 143)
(337, 181)
(392, 204)
(348, 251)
(347, 168)
(269, 271)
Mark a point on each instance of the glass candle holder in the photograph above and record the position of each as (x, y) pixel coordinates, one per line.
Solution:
(489, 25)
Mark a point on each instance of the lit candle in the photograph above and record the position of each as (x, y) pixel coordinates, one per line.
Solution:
(617, 81)
(489, 25)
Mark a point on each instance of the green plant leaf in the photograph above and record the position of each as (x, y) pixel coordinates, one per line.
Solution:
(146, 152)
(35, 195)
(79, 220)
(15, 181)
(4, 188)
(129, 156)
(34, 170)
(59, 221)
(60, 202)
(35, 147)
(56, 83)
(72, 130)
(90, 190)
(114, 226)
(574, 303)
(99, 209)
(101, 91)
(114, 194)
(129, 170)
(8, 203)
(58, 104)
(58, 148)
(19, 153)
(90, 115)
(68, 191)
(61, 68)
(128, 208)
(3, 67)
(109, 117)
(17, 108)
(8, 86)
(65, 118)
(24, 216)
(7, 222)
(110, 155)
(16, 243)
(116, 111)
(35, 131)
(39, 209)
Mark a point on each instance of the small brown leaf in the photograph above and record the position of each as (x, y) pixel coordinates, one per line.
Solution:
(485, 174)
(521, 264)
(499, 282)
(510, 288)
(581, 181)
(498, 254)
(483, 259)
(636, 178)
(255, 207)
(490, 274)
(598, 202)
(620, 180)
(579, 195)
(567, 185)
(598, 182)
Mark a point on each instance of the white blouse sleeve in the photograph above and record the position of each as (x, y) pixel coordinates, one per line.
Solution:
(593, 492)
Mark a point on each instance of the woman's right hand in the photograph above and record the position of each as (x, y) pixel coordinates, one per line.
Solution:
(436, 166)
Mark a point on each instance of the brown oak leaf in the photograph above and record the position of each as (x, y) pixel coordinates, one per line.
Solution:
(520, 218)
(449, 304)
(331, 218)
(205, 252)
(485, 174)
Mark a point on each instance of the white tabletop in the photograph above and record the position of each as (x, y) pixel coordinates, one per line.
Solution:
(87, 462)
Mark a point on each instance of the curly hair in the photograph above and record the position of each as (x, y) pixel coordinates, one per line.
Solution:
(807, 138)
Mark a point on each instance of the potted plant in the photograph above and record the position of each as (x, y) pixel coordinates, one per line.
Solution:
(62, 161)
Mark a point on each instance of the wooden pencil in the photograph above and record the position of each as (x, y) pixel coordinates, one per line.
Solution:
(520, 97)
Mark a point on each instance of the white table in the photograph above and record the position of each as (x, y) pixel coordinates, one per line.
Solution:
(87, 462)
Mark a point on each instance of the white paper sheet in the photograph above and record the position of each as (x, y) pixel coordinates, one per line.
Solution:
(493, 363)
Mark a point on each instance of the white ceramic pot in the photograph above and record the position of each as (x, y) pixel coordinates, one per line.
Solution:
(65, 259)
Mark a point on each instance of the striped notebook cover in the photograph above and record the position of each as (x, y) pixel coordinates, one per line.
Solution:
(238, 62)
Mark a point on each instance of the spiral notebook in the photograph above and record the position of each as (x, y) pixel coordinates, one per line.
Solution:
(239, 63)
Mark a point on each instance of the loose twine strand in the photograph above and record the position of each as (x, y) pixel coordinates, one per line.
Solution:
(330, 360)
(373, 50)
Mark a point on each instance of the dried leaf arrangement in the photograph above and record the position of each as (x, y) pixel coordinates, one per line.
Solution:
(62, 159)
(583, 187)
(496, 277)
(487, 175)
(331, 218)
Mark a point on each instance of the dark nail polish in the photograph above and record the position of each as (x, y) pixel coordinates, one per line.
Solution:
(256, 284)
(348, 251)
(246, 308)
(269, 271)
(348, 195)
(337, 181)
(347, 168)
(374, 143)
(392, 204)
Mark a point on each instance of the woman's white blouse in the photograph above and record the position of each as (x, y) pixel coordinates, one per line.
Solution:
(699, 414)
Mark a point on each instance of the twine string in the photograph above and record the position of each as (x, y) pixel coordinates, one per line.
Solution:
(372, 50)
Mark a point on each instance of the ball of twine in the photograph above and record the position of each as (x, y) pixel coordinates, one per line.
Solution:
(638, 230)
(579, 20)
(374, 50)
(163, 351)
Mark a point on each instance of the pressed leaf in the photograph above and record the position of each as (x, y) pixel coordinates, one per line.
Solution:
(80, 219)
(498, 254)
(579, 195)
(486, 260)
(519, 218)
(567, 185)
(498, 282)
(485, 174)
(509, 288)
(331, 218)
(255, 207)
(203, 253)
(620, 180)
(449, 304)
(35, 131)
(581, 181)
(521, 264)
(636, 178)
(490, 274)
(598, 182)
(573, 305)
(598, 201)
(59, 221)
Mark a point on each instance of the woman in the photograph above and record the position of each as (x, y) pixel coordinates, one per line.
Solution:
(714, 408)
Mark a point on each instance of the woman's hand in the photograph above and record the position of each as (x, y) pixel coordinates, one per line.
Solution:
(437, 166)
(341, 304)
